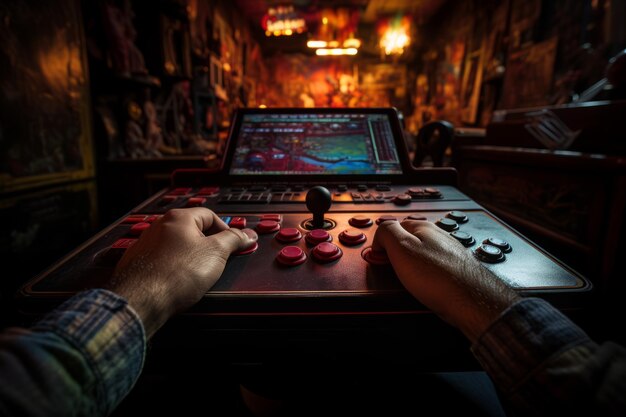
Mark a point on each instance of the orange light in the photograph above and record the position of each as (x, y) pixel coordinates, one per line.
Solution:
(336, 51)
(352, 43)
(316, 44)
(395, 37)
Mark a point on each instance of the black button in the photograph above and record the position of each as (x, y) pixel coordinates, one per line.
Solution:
(297, 188)
(457, 216)
(489, 253)
(447, 224)
(465, 238)
(383, 188)
(342, 187)
(503, 245)
(402, 199)
(361, 187)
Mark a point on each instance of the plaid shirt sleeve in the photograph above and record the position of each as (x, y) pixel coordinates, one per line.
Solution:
(80, 360)
(543, 364)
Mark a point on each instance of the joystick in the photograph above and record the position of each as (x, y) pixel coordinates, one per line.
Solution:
(318, 202)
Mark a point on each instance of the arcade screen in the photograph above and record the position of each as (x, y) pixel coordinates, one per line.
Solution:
(315, 144)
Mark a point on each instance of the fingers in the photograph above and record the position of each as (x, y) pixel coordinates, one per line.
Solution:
(205, 220)
(390, 234)
(232, 240)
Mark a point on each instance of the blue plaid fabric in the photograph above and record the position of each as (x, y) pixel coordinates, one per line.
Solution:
(79, 360)
(544, 364)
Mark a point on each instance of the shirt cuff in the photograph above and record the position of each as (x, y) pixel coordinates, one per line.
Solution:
(109, 334)
(524, 337)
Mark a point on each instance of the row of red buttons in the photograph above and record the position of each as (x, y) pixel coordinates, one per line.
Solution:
(326, 252)
(323, 252)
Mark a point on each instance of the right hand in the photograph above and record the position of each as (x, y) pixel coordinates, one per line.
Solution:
(443, 275)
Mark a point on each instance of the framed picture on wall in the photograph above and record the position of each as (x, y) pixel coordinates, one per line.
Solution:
(470, 86)
(215, 68)
(528, 77)
(45, 134)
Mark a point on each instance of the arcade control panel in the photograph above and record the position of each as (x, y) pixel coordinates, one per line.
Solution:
(315, 184)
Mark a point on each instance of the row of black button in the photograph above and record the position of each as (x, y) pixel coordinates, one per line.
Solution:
(491, 250)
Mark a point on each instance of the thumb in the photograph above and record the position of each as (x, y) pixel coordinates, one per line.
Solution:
(232, 240)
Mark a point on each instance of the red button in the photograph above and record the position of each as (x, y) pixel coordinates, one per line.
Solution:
(134, 219)
(153, 218)
(138, 228)
(180, 191)
(352, 237)
(318, 236)
(196, 201)
(207, 191)
(385, 219)
(123, 243)
(248, 251)
(416, 217)
(238, 223)
(289, 234)
(275, 217)
(291, 256)
(168, 199)
(326, 252)
(360, 221)
(415, 191)
(402, 199)
(267, 226)
(375, 257)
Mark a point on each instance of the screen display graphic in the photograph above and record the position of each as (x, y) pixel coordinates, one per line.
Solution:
(315, 144)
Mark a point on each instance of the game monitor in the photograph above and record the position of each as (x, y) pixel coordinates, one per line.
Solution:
(323, 144)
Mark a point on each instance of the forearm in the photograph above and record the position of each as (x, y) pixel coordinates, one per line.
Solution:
(546, 365)
(81, 359)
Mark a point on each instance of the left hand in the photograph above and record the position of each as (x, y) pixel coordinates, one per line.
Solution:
(175, 262)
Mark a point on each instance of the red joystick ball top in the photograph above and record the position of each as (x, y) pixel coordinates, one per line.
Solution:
(326, 252)
(291, 256)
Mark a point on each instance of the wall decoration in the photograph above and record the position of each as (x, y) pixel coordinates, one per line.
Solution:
(45, 132)
(305, 81)
(470, 86)
(524, 15)
(528, 78)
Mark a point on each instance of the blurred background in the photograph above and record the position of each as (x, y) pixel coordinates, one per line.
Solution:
(100, 100)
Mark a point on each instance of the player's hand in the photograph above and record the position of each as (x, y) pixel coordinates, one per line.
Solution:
(443, 275)
(175, 261)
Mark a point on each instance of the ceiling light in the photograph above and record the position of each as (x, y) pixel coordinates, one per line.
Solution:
(336, 51)
(316, 44)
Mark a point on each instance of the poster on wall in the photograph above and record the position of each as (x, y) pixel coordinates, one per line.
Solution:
(470, 87)
(528, 77)
(45, 132)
